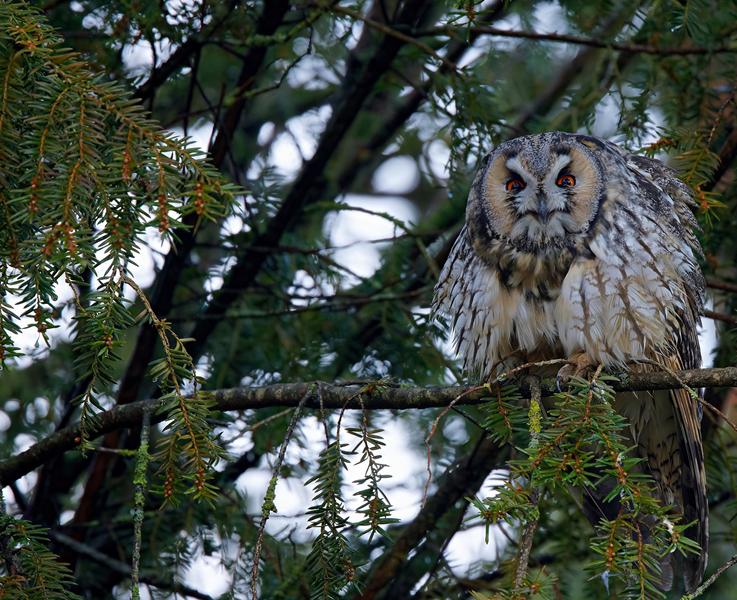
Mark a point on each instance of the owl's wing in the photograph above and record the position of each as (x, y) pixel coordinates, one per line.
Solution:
(681, 237)
(634, 297)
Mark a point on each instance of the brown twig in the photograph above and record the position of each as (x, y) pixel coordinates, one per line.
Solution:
(718, 284)
(386, 29)
(433, 429)
(702, 588)
(717, 316)
(573, 39)
(118, 566)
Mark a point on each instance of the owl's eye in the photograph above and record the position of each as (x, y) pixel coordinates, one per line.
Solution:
(515, 184)
(565, 181)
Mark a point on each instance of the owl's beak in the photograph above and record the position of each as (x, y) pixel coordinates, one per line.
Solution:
(542, 207)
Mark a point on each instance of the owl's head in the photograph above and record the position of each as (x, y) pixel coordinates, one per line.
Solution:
(537, 192)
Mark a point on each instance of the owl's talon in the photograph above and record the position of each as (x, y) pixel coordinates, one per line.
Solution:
(579, 365)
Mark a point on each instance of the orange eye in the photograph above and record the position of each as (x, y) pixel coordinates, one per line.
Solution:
(515, 184)
(565, 181)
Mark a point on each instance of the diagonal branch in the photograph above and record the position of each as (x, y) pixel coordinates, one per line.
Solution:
(179, 58)
(462, 478)
(577, 40)
(119, 566)
(702, 588)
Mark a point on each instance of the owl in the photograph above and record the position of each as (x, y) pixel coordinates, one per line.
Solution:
(573, 248)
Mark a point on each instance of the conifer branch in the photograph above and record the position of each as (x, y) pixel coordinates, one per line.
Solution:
(352, 395)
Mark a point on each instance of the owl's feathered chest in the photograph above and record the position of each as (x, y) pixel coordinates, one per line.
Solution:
(535, 273)
(615, 302)
(501, 301)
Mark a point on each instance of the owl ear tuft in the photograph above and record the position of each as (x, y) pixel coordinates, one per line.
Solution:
(590, 142)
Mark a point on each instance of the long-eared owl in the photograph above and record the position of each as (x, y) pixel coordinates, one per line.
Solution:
(573, 248)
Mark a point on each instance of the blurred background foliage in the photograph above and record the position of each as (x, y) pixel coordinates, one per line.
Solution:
(340, 138)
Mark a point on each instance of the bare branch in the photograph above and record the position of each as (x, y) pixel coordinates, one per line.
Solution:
(573, 39)
(717, 316)
(702, 588)
(718, 284)
(403, 37)
(120, 567)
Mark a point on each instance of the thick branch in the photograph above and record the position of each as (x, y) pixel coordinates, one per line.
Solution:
(369, 395)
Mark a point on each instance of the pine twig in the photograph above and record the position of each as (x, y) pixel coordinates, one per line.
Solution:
(268, 506)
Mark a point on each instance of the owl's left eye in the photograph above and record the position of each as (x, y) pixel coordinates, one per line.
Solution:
(565, 181)
(515, 184)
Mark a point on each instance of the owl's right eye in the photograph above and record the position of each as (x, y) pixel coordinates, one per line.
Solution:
(515, 184)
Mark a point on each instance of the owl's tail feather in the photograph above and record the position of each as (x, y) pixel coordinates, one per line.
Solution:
(665, 429)
(596, 507)
(693, 486)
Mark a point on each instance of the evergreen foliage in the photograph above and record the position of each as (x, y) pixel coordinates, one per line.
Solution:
(176, 198)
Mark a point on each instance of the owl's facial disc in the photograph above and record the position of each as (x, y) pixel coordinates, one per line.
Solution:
(539, 194)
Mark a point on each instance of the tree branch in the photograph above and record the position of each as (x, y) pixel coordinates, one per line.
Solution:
(718, 284)
(574, 39)
(309, 184)
(717, 316)
(120, 567)
(402, 37)
(462, 478)
(702, 588)
(352, 395)
(179, 58)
